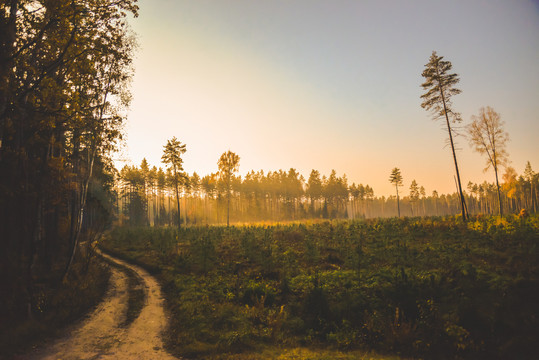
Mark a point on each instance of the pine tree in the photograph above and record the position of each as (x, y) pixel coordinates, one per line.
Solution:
(228, 164)
(439, 84)
(396, 178)
(414, 194)
(172, 153)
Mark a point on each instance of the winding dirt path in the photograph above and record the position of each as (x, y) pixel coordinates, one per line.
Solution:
(101, 335)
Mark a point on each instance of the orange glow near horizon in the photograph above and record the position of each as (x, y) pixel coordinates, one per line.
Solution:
(295, 92)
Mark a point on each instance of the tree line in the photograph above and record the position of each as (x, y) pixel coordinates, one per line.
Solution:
(286, 195)
(146, 195)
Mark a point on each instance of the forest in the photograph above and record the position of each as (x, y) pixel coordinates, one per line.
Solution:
(262, 265)
(145, 196)
(65, 69)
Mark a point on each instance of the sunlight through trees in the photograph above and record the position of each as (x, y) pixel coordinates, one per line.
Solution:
(228, 163)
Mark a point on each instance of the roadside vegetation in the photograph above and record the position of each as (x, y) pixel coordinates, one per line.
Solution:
(412, 287)
(65, 68)
(56, 307)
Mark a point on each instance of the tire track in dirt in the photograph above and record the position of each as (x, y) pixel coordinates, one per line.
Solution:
(102, 336)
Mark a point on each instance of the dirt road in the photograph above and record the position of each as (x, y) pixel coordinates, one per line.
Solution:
(102, 336)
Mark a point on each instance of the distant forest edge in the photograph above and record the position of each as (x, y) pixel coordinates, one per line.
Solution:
(145, 196)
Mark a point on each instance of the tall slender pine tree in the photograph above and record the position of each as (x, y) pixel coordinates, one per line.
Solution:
(440, 87)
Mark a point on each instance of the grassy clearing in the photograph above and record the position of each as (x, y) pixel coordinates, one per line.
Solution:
(433, 287)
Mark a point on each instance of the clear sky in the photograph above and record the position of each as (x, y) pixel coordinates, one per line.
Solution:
(330, 85)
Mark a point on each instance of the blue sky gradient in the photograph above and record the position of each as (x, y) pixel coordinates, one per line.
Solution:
(330, 85)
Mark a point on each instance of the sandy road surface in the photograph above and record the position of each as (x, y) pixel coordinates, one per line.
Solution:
(101, 336)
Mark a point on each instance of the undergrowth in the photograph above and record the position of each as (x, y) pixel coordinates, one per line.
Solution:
(59, 305)
(430, 287)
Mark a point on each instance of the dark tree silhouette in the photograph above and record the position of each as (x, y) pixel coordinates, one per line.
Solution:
(61, 63)
(396, 178)
(228, 164)
(172, 153)
(439, 85)
(414, 194)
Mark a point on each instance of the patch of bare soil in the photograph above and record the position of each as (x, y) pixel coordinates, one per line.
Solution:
(102, 336)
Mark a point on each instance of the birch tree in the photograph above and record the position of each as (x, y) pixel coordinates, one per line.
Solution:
(487, 137)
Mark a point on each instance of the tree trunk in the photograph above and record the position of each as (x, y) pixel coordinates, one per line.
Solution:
(499, 193)
(398, 205)
(228, 209)
(80, 210)
(9, 27)
(532, 205)
(462, 201)
(178, 202)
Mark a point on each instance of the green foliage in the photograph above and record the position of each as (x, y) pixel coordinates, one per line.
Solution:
(432, 287)
(65, 67)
